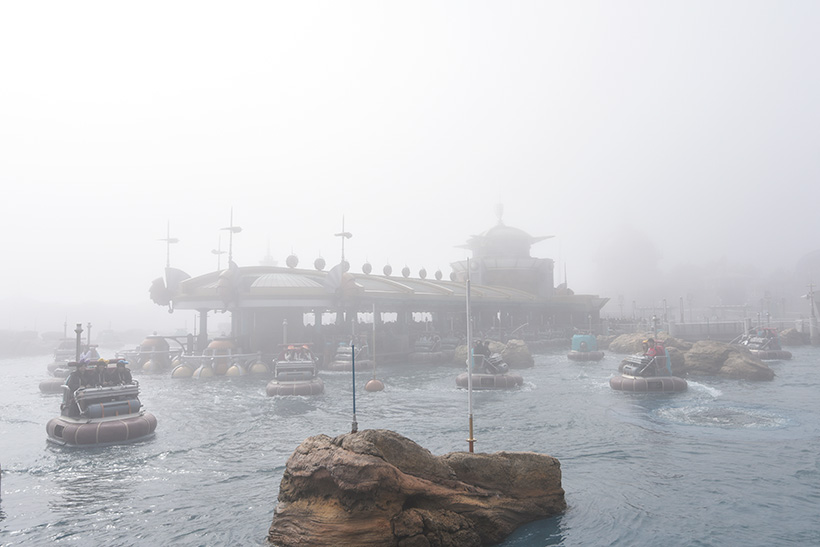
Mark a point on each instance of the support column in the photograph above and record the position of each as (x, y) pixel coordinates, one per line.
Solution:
(202, 339)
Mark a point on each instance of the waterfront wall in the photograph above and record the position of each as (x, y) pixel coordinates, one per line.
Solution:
(721, 331)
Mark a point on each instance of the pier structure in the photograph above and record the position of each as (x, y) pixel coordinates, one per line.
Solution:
(512, 294)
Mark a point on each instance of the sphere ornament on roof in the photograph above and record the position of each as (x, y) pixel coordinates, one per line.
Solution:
(405, 271)
(319, 264)
(423, 273)
(292, 261)
(367, 268)
(388, 269)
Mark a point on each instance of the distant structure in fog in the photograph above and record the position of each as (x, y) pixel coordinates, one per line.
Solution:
(511, 291)
(501, 258)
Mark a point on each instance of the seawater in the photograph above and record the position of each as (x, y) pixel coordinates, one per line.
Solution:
(728, 462)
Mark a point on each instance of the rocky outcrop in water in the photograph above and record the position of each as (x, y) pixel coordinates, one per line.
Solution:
(710, 357)
(378, 488)
(632, 342)
(706, 357)
(515, 353)
(793, 337)
(604, 340)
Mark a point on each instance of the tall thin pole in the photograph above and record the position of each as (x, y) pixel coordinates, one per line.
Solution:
(343, 238)
(374, 384)
(218, 252)
(470, 359)
(168, 241)
(168, 244)
(344, 235)
(231, 231)
(813, 337)
(355, 427)
(230, 239)
(373, 352)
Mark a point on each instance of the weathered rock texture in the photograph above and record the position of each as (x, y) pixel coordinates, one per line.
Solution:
(376, 487)
(605, 340)
(710, 357)
(706, 357)
(515, 353)
(631, 342)
(793, 337)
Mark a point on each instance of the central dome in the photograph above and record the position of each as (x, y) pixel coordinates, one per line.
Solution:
(502, 241)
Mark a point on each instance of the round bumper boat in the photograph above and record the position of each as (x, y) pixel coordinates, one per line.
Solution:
(99, 416)
(295, 373)
(655, 384)
(772, 354)
(640, 373)
(103, 431)
(507, 380)
(313, 386)
(585, 355)
(490, 372)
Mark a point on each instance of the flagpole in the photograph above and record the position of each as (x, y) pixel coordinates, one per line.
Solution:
(470, 360)
(355, 426)
(374, 384)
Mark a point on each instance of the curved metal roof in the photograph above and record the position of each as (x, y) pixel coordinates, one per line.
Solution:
(272, 286)
(284, 280)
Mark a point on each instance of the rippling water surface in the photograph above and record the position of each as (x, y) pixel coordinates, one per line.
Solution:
(726, 463)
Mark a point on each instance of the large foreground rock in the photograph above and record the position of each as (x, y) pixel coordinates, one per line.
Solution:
(378, 488)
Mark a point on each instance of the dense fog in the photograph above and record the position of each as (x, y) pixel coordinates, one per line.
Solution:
(669, 148)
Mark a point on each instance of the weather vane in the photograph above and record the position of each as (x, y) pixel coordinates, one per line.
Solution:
(344, 235)
(231, 231)
(168, 240)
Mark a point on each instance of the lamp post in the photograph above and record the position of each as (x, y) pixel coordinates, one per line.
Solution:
(79, 332)
(813, 338)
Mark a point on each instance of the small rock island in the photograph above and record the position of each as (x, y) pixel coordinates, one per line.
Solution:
(376, 487)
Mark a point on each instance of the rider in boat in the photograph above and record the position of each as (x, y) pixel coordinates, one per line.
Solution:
(655, 353)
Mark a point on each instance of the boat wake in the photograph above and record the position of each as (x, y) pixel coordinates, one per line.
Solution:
(723, 417)
(703, 388)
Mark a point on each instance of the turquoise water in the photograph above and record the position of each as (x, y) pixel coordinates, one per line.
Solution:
(726, 463)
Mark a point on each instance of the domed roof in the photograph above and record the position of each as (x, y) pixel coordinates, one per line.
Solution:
(502, 241)
(508, 233)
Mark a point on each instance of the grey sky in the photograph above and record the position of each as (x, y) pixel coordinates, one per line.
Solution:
(688, 124)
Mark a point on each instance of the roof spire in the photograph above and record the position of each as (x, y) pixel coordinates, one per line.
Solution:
(499, 212)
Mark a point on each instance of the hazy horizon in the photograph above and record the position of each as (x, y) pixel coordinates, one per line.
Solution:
(660, 143)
